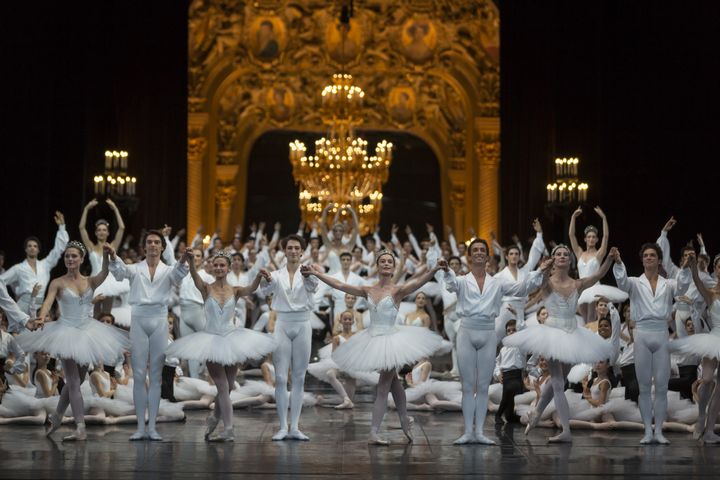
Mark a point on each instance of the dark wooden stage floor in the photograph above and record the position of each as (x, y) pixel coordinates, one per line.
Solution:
(338, 449)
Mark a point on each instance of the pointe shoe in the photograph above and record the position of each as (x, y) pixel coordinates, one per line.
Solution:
(55, 422)
(211, 423)
(154, 436)
(377, 440)
(347, 403)
(280, 435)
(466, 439)
(710, 437)
(647, 439)
(660, 438)
(564, 437)
(226, 436)
(406, 423)
(698, 430)
(296, 434)
(533, 420)
(79, 435)
(483, 440)
(137, 436)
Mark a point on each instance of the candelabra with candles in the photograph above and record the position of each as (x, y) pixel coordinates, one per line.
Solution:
(115, 181)
(566, 188)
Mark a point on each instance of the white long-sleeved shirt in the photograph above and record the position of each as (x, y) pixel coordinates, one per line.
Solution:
(615, 335)
(149, 296)
(338, 296)
(23, 278)
(189, 292)
(536, 251)
(17, 319)
(478, 309)
(287, 298)
(8, 345)
(651, 310)
(509, 358)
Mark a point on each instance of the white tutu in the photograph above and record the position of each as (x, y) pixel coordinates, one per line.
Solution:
(188, 388)
(589, 295)
(451, 391)
(578, 346)
(579, 372)
(403, 345)
(237, 346)
(316, 322)
(91, 342)
(15, 403)
(253, 388)
(700, 344)
(320, 370)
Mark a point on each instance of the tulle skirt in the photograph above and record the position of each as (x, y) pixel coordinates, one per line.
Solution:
(320, 371)
(403, 345)
(450, 391)
(589, 295)
(93, 342)
(700, 344)
(253, 388)
(577, 346)
(237, 346)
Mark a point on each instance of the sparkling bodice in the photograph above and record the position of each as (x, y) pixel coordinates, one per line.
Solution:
(561, 310)
(219, 319)
(382, 316)
(585, 269)
(75, 310)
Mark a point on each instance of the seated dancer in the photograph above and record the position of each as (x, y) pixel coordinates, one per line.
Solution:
(76, 338)
(424, 393)
(220, 344)
(384, 346)
(559, 339)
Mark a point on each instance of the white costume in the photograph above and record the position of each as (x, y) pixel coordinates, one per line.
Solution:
(192, 315)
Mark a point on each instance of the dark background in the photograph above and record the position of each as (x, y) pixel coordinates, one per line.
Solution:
(631, 88)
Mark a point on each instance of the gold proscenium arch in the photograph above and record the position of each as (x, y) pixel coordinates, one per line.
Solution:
(428, 67)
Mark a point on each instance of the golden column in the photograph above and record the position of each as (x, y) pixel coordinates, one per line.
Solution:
(196, 150)
(487, 151)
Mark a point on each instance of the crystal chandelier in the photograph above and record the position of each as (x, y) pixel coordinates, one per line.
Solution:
(566, 188)
(340, 172)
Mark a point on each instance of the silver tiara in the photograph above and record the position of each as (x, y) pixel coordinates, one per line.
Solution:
(591, 228)
(224, 254)
(559, 245)
(78, 245)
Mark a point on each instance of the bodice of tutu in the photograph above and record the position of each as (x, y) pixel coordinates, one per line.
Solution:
(561, 311)
(96, 260)
(219, 319)
(333, 260)
(715, 317)
(382, 316)
(75, 309)
(595, 390)
(585, 269)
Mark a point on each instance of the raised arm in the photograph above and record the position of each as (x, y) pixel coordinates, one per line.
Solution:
(531, 282)
(49, 300)
(61, 240)
(704, 291)
(571, 233)
(83, 222)
(313, 270)
(409, 287)
(602, 271)
(536, 249)
(249, 289)
(621, 278)
(98, 279)
(197, 279)
(323, 226)
(664, 243)
(121, 225)
(606, 235)
(355, 227)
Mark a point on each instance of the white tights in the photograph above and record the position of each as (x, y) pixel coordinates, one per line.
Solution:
(476, 359)
(192, 319)
(451, 329)
(708, 400)
(148, 341)
(74, 376)
(556, 391)
(293, 352)
(388, 383)
(224, 378)
(652, 362)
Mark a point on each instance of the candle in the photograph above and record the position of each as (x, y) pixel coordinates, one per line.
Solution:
(108, 160)
(123, 160)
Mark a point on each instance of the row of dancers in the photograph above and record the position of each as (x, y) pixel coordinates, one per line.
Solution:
(383, 346)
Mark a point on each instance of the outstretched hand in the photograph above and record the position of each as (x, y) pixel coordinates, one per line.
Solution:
(109, 251)
(537, 226)
(442, 264)
(599, 211)
(306, 270)
(59, 218)
(669, 224)
(187, 256)
(614, 254)
(577, 212)
(265, 274)
(546, 265)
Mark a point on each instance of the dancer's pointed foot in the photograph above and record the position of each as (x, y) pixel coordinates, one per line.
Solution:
(483, 440)
(375, 439)
(55, 422)
(280, 435)
(153, 435)
(346, 404)
(296, 434)
(79, 435)
(647, 439)
(710, 437)
(228, 435)
(533, 420)
(564, 437)
(660, 438)
(466, 439)
(211, 423)
(406, 423)
(137, 436)
(699, 428)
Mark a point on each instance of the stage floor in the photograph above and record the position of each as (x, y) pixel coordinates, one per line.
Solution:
(338, 448)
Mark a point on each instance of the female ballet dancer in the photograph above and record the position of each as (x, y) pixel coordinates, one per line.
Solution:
(479, 300)
(706, 345)
(221, 344)
(419, 317)
(424, 393)
(335, 246)
(76, 338)
(559, 339)
(384, 346)
(651, 300)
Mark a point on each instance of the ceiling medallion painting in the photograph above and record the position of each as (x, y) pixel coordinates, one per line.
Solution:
(427, 67)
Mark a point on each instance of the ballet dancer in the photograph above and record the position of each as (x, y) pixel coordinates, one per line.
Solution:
(651, 300)
(384, 346)
(479, 300)
(220, 344)
(292, 290)
(76, 338)
(151, 283)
